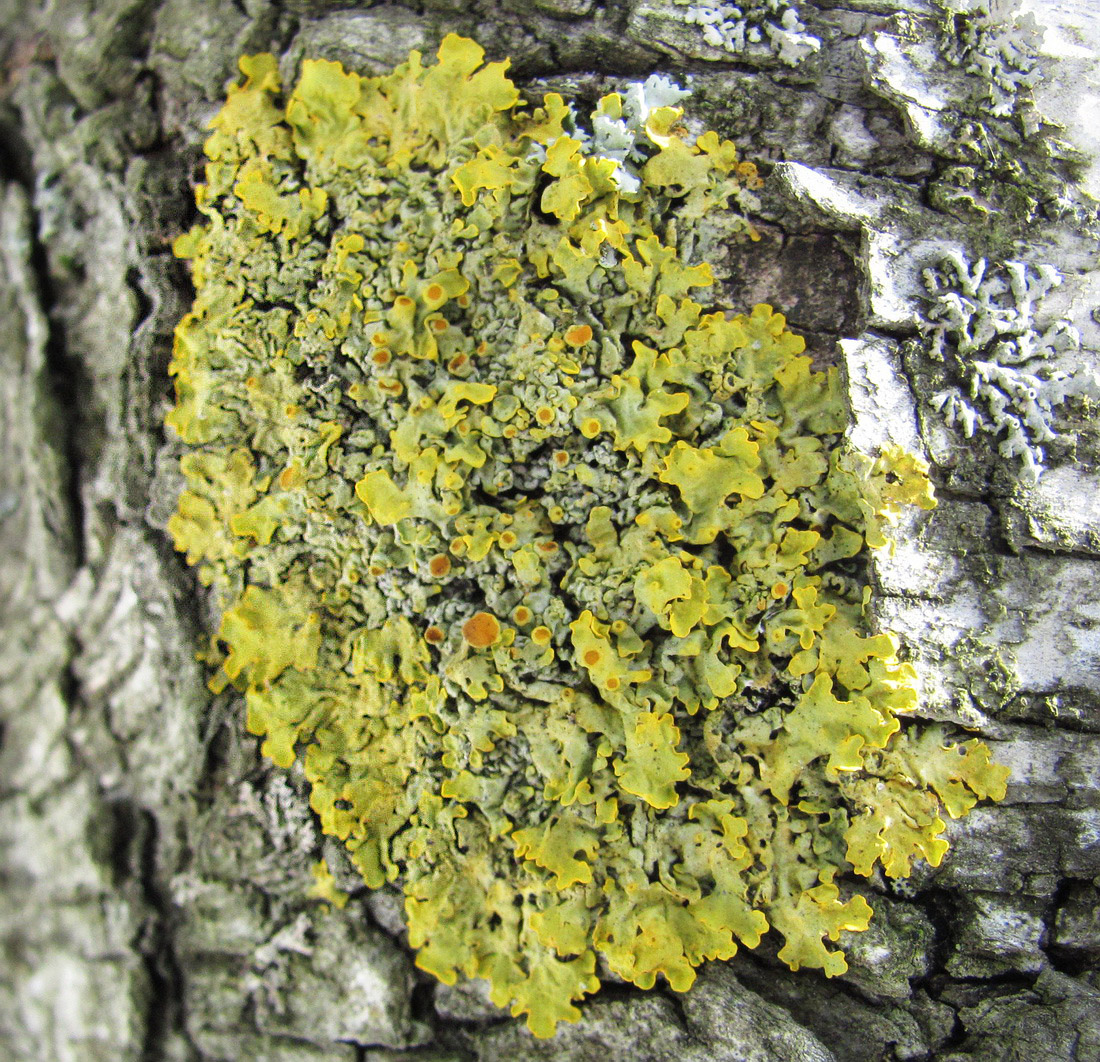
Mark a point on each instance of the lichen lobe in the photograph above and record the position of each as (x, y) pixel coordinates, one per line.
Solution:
(552, 576)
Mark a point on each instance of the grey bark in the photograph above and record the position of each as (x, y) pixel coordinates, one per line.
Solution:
(154, 870)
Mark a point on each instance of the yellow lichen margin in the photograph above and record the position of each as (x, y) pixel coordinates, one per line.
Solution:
(554, 579)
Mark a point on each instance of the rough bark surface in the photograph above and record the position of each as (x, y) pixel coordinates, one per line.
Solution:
(154, 870)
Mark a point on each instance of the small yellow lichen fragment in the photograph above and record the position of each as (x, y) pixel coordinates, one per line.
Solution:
(267, 632)
(653, 764)
(601, 660)
(290, 214)
(508, 271)
(899, 824)
(393, 651)
(821, 724)
(557, 847)
(819, 913)
(490, 170)
(463, 391)
(673, 593)
(325, 888)
(707, 477)
(386, 502)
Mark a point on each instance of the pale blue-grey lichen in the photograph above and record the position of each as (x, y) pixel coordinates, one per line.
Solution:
(981, 324)
(1008, 163)
(996, 42)
(623, 137)
(773, 24)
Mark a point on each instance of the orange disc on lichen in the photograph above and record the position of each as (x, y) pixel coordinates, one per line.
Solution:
(481, 630)
(578, 335)
(291, 477)
(433, 635)
(439, 565)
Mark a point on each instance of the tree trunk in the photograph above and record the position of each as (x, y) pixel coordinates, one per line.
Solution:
(155, 870)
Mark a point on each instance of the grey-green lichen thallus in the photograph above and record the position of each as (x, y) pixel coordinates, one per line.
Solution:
(552, 574)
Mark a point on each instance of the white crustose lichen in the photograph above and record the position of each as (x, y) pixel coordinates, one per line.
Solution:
(981, 320)
(735, 27)
(993, 40)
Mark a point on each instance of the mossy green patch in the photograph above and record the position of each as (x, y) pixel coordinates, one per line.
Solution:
(553, 576)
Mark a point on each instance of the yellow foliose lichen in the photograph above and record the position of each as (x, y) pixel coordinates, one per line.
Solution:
(554, 578)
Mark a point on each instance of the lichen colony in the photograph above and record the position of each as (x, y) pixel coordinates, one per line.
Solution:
(553, 574)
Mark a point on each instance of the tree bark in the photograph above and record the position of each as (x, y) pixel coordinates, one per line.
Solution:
(154, 870)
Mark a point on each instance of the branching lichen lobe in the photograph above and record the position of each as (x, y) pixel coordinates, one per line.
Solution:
(553, 577)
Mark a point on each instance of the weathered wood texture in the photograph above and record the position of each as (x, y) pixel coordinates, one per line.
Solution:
(153, 870)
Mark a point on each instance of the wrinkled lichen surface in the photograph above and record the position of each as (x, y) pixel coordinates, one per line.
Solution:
(553, 573)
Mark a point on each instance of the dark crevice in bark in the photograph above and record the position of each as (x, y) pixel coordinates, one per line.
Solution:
(164, 1013)
(14, 154)
(1049, 552)
(1052, 724)
(422, 1002)
(957, 1034)
(66, 378)
(773, 982)
(676, 1001)
(1072, 962)
(61, 368)
(938, 906)
(894, 332)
